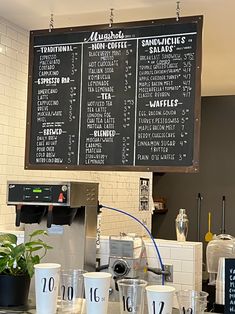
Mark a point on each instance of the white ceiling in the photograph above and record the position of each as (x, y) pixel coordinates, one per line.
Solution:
(218, 68)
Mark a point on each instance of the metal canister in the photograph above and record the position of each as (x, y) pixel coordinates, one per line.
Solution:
(181, 225)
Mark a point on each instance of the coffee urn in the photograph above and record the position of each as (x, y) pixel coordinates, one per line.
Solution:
(67, 211)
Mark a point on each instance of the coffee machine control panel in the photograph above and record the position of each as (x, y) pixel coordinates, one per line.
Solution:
(39, 193)
(67, 194)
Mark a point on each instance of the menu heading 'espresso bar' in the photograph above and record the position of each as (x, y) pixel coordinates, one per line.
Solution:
(120, 98)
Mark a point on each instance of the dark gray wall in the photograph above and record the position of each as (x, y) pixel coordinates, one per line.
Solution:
(215, 179)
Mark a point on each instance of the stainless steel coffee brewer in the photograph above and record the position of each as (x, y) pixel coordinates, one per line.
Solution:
(67, 211)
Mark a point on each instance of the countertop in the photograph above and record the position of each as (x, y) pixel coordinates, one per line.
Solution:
(113, 308)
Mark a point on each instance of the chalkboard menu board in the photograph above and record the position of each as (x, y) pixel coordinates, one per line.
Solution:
(229, 282)
(125, 97)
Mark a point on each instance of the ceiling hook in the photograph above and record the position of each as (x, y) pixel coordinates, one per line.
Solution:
(111, 17)
(51, 23)
(177, 10)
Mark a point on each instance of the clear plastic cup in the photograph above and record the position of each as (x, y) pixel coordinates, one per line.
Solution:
(72, 290)
(131, 295)
(191, 301)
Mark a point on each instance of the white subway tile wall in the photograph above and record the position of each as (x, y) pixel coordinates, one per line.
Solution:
(116, 189)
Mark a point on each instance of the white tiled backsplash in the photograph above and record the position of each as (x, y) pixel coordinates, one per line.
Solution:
(186, 258)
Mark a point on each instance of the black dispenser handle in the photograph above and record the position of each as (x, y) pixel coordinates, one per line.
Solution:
(199, 204)
(223, 216)
(18, 214)
(49, 216)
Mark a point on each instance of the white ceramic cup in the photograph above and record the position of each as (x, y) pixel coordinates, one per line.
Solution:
(97, 292)
(160, 299)
(46, 287)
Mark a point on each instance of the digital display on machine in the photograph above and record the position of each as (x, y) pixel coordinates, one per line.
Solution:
(37, 190)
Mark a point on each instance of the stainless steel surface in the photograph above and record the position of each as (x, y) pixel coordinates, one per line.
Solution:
(128, 259)
(71, 229)
(79, 193)
(181, 225)
(74, 245)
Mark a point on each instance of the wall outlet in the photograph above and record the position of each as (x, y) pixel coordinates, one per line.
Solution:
(169, 268)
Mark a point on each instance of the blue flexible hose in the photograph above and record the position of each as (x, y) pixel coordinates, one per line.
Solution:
(149, 233)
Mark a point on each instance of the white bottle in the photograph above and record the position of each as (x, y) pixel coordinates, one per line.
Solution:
(181, 225)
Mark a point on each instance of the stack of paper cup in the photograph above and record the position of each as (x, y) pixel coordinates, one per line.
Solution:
(219, 298)
(97, 292)
(46, 287)
(160, 299)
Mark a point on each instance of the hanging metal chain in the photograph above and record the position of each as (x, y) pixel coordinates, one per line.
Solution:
(177, 10)
(51, 24)
(111, 17)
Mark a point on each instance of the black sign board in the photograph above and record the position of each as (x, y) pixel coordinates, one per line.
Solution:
(229, 285)
(125, 97)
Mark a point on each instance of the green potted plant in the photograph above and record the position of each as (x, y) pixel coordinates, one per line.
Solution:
(17, 266)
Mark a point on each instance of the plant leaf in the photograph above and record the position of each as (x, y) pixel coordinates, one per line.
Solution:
(18, 251)
(31, 243)
(36, 259)
(30, 267)
(8, 237)
(5, 250)
(20, 259)
(30, 264)
(3, 263)
(36, 248)
(39, 242)
(38, 232)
